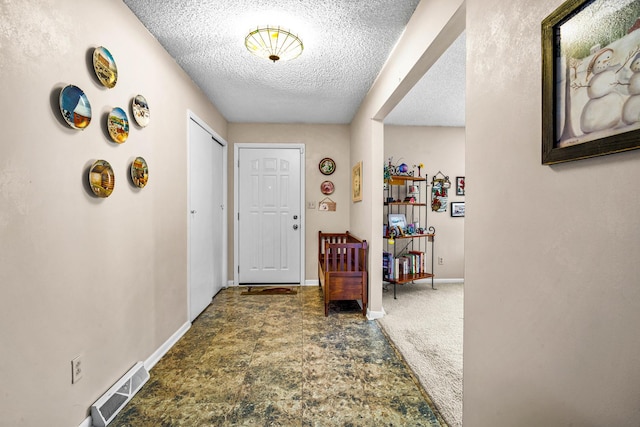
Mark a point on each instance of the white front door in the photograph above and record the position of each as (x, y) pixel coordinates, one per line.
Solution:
(269, 221)
(206, 205)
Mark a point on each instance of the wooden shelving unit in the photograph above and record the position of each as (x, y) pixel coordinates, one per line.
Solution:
(398, 188)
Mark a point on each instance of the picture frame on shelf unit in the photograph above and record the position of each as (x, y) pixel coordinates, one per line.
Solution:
(398, 220)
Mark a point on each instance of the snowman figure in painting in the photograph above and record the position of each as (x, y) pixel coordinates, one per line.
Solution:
(604, 108)
(631, 109)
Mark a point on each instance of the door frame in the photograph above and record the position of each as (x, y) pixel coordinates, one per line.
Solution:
(192, 116)
(236, 190)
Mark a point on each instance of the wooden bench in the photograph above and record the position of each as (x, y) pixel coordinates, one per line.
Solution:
(342, 268)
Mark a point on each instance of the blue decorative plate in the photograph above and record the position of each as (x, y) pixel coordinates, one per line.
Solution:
(75, 107)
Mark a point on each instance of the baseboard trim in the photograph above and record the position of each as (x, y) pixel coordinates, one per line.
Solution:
(373, 315)
(438, 281)
(87, 422)
(448, 280)
(164, 348)
(309, 282)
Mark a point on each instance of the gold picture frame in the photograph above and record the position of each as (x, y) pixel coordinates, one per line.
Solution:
(356, 182)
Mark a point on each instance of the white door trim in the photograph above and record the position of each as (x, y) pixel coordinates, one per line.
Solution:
(192, 116)
(236, 157)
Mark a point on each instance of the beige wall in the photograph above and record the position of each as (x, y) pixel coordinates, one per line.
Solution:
(552, 271)
(101, 278)
(320, 141)
(440, 149)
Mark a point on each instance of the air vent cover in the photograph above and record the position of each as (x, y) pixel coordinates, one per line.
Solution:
(107, 407)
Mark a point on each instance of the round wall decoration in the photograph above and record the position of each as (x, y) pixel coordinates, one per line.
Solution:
(75, 107)
(327, 187)
(140, 110)
(139, 172)
(327, 166)
(118, 125)
(105, 67)
(101, 178)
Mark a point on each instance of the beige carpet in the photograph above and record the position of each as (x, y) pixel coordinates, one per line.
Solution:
(426, 326)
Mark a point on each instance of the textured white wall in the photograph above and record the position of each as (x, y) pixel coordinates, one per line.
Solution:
(320, 141)
(101, 278)
(440, 149)
(551, 276)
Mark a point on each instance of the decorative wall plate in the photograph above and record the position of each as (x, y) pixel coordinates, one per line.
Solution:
(102, 178)
(75, 107)
(327, 166)
(118, 125)
(140, 110)
(327, 188)
(139, 172)
(105, 67)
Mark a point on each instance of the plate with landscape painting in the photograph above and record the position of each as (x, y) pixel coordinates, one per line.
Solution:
(75, 107)
(118, 125)
(105, 67)
(102, 178)
(139, 172)
(140, 110)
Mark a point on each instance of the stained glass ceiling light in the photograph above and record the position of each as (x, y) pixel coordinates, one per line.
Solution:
(273, 43)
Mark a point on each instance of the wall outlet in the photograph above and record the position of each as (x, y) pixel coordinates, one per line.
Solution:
(311, 205)
(440, 260)
(76, 369)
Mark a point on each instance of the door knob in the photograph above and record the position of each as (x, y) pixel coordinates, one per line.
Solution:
(194, 211)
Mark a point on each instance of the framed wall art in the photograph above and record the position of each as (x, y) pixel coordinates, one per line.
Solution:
(590, 79)
(356, 182)
(457, 209)
(459, 185)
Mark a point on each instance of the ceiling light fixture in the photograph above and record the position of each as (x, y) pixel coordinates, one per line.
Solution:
(273, 43)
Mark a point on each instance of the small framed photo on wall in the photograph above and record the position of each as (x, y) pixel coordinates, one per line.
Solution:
(460, 186)
(356, 182)
(457, 209)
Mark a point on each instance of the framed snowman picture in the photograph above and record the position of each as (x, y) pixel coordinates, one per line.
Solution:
(590, 79)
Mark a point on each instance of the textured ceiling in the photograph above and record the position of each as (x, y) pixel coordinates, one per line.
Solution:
(346, 43)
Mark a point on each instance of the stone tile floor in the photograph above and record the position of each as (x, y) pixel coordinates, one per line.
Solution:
(276, 360)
